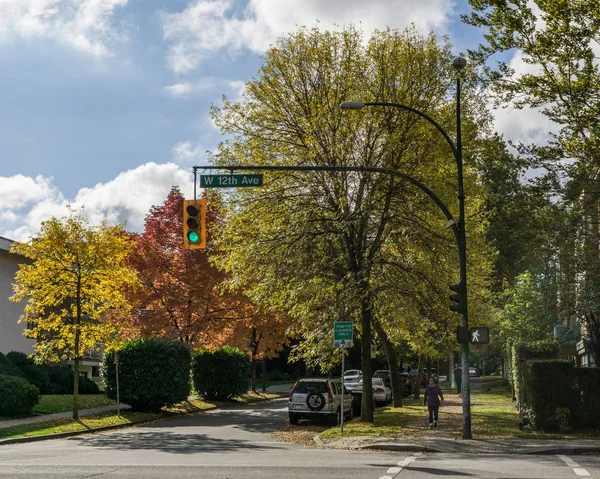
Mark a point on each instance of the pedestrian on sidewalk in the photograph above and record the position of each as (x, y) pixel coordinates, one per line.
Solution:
(433, 398)
(458, 379)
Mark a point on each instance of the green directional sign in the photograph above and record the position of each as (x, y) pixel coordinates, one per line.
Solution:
(230, 181)
(342, 334)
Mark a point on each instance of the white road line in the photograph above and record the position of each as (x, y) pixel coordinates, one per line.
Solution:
(581, 472)
(394, 470)
(571, 463)
(386, 477)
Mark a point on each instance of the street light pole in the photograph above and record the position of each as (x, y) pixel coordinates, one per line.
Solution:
(460, 236)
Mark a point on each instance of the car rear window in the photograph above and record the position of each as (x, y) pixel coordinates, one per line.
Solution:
(305, 387)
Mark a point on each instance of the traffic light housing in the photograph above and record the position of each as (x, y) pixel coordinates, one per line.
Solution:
(194, 224)
(458, 298)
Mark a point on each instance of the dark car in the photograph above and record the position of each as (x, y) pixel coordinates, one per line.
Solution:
(385, 375)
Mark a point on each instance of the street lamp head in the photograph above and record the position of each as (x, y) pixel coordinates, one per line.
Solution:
(351, 105)
(459, 63)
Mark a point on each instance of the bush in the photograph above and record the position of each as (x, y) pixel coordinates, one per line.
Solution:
(152, 373)
(8, 368)
(18, 396)
(87, 386)
(19, 359)
(38, 376)
(221, 373)
(548, 394)
(61, 380)
(588, 382)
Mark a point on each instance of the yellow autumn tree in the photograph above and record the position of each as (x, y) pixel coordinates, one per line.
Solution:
(75, 274)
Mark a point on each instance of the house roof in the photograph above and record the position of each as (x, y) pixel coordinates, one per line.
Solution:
(5, 243)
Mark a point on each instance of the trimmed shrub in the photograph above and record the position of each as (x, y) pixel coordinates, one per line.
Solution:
(221, 374)
(588, 382)
(87, 386)
(61, 380)
(38, 376)
(550, 401)
(152, 373)
(19, 359)
(8, 368)
(18, 396)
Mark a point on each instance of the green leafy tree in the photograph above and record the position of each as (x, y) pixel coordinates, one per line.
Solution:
(559, 41)
(75, 274)
(311, 244)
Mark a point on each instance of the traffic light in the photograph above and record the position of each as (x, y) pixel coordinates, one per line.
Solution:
(457, 298)
(194, 224)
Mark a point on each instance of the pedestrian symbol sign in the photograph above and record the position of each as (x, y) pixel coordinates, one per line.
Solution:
(479, 335)
(342, 334)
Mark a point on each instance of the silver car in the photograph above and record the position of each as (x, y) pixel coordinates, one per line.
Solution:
(319, 398)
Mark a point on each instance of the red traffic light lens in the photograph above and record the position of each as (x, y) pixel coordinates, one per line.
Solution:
(193, 210)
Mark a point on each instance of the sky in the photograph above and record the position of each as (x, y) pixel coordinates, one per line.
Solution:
(105, 103)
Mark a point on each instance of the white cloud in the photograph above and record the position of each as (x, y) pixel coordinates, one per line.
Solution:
(525, 125)
(187, 88)
(187, 153)
(206, 26)
(128, 198)
(85, 25)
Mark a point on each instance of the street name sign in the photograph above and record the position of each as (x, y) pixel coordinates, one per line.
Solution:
(230, 181)
(479, 335)
(342, 334)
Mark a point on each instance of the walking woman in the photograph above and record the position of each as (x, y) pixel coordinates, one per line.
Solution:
(433, 398)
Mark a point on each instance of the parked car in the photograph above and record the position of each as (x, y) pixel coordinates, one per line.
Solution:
(352, 375)
(353, 386)
(319, 398)
(381, 393)
(473, 372)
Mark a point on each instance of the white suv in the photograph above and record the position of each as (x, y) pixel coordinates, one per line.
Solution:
(319, 398)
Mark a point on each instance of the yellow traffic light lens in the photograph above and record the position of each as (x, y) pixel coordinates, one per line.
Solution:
(193, 210)
(193, 237)
(193, 223)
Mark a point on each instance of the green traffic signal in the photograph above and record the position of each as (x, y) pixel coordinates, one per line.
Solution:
(193, 237)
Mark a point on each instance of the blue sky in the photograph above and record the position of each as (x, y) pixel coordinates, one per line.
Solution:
(105, 102)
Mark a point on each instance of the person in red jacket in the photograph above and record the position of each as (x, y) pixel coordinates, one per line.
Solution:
(433, 398)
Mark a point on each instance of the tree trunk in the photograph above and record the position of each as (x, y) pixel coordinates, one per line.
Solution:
(76, 379)
(253, 364)
(367, 395)
(417, 385)
(390, 351)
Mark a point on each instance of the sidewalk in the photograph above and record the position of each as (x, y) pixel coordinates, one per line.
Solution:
(59, 415)
(467, 446)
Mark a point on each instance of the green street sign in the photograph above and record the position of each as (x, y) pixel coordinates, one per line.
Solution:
(230, 181)
(342, 334)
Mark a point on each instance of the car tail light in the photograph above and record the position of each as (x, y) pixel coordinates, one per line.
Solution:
(292, 391)
(378, 390)
(329, 393)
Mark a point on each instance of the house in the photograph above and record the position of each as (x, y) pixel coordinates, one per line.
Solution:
(11, 331)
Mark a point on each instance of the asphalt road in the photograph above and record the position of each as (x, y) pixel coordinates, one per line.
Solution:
(236, 443)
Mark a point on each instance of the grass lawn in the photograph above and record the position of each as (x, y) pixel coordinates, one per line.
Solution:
(50, 404)
(69, 425)
(493, 415)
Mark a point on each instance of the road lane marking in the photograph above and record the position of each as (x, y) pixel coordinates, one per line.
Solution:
(401, 464)
(581, 472)
(577, 469)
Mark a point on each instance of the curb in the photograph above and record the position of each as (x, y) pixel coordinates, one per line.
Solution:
(319, 441)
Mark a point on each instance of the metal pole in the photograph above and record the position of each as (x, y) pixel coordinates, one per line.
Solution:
(117, 378)
(464, 347)
(343, 391)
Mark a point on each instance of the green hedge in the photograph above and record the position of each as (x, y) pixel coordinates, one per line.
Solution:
(152, 373)
(18, 396)
(221, 374)
(8, 368)
(587, 381)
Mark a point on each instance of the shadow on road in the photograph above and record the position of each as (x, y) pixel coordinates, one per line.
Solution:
(171, 442)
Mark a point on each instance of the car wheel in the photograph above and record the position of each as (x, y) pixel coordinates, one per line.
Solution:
(293, 419)
(337, 417)
(315, 401)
